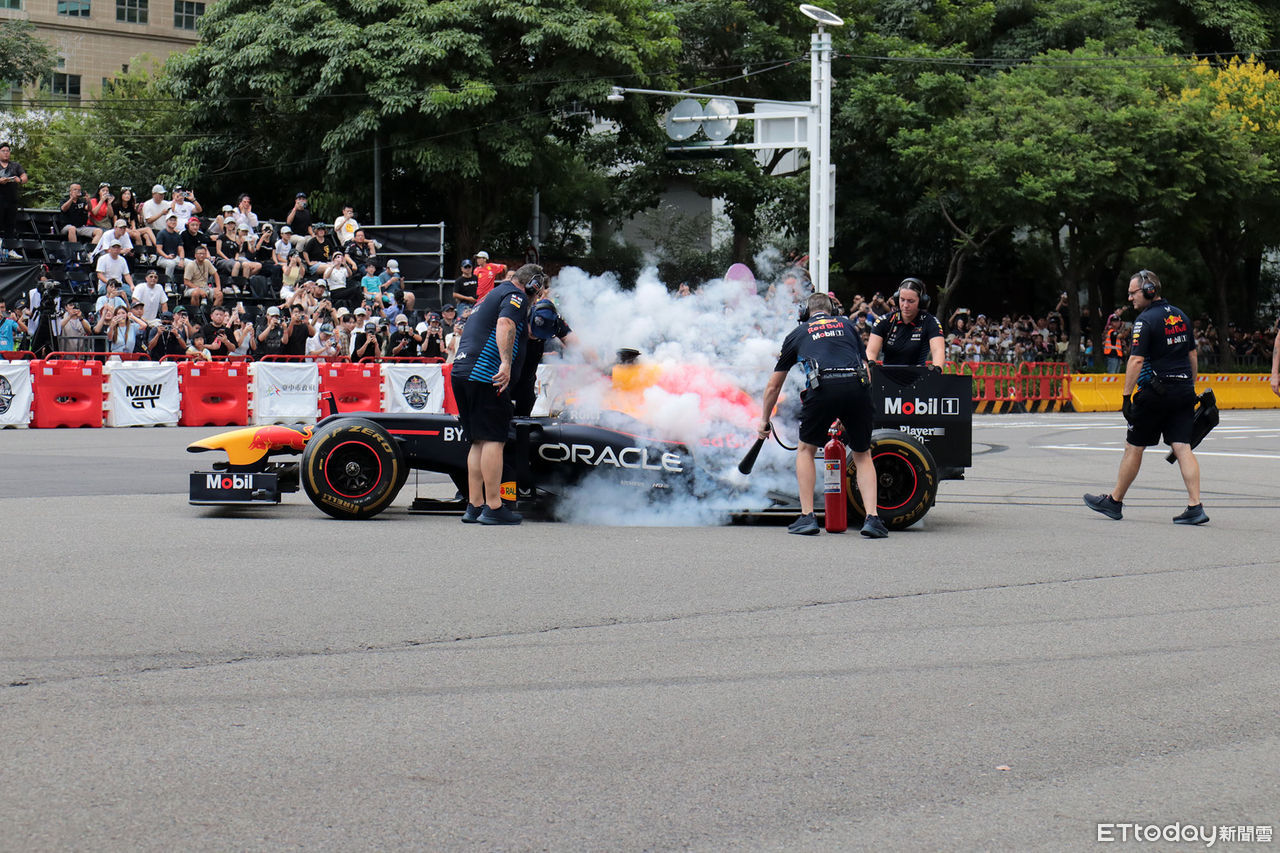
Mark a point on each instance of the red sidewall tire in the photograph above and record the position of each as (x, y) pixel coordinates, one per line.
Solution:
(906, 480)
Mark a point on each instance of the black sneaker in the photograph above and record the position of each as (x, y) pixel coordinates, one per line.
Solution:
(502, 515)
(1191, 515)
(1105, 505)
(471, 515)
(805, 525)
(873, 528)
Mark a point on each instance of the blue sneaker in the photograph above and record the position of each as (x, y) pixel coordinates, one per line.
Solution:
(873, 528)
(805, 525)
(1106, 505)
(471, 515)
(1191, 515)
(502, 515)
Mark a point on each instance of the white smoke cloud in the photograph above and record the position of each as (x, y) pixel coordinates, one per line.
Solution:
(723, 338)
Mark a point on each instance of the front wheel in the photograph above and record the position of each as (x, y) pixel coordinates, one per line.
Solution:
(906, 479)
(352, 469)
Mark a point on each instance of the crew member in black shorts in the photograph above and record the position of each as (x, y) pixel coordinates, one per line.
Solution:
(1159, 397)
(909, 335)
(481, 380)
(831, 349)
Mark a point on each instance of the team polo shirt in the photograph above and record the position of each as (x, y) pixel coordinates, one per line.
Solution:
(831, 342)
(478, 358)
(906, 343)
(1162, 336)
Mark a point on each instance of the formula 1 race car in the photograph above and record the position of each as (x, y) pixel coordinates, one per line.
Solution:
(354, 464)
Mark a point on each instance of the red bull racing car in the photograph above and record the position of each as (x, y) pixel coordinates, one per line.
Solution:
(354, 464)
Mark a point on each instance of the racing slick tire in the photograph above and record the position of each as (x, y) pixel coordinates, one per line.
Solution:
(906, 479)
(352, 469)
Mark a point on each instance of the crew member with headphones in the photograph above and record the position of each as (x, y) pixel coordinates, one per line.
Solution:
(481, 379)
(909, 335)
(1159, 397)
(837, 386)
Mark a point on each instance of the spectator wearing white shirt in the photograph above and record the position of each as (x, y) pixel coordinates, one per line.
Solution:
(344, 227)
(152, 297)
(244, 215)
(113, 265)
(119, 233)
(156, 209)
(184, 204)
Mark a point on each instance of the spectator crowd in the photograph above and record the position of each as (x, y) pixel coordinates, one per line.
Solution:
(166, 279)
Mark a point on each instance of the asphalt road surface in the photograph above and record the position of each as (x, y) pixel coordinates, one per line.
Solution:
(1006, 676)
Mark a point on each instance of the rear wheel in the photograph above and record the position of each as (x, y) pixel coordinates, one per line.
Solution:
(352, 469)
(906, 480)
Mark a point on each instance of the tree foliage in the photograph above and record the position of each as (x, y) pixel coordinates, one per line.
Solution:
(24, 58)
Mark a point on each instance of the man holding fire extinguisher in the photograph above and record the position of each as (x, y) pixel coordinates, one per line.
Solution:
(837, 387)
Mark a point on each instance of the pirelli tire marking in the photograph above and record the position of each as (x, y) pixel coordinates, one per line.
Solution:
(352, 469)
(906, 479)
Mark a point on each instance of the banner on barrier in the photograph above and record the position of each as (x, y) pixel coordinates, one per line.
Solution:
(142, 393)
(413, 387)
(15, 393)
(285, 392)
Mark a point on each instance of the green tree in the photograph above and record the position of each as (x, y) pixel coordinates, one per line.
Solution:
(471, 102)
(24, 58)
(1081, 146)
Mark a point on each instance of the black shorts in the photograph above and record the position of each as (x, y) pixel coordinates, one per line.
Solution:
(845, 398)
(485, 413)
(1170, 413)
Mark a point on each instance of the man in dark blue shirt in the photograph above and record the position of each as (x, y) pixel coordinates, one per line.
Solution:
(1159, 397)
(832, 350)
(481, 380)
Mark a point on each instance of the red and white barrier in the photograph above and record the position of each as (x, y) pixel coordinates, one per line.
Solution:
(142, 393)
(284, 392)
(413, 387)
(15, 393)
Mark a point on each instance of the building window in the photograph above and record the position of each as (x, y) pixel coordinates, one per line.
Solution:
(186, 13)
(131, 11)
(74, 8)
(11, 4)
(65, 86)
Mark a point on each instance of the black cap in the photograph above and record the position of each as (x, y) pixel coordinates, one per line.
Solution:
(166, 316)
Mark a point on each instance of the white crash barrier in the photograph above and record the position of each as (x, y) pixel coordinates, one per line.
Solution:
(15, 393)
(411, 387)
(142, 393)
(283, 392)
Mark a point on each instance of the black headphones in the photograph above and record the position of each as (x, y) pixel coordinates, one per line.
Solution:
(1148, 286)
(804, 309)
(916, 286)
(533, 286)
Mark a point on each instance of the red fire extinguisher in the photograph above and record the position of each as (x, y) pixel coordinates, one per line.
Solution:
(837, 511)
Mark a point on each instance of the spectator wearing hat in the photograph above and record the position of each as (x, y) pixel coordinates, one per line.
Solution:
(393, 286)
(344, 331)
(283, 249)
(120, 234)
(167, 340)
(271, 333)
(224, 223)
(487, 274)
(431, 337)
(151, 296)
(448, 315)
(464, 288)
(299, 219)
(102, 212)
(169, 247)
(340, 271)
(345, 226)
(317, 252)
(368, 341)
(113, 266)
(192, 237)
(1113, 344)
(156, 209)
(323, 344)
(403, 342)
(185, 204)
(75, 216)
(200, 279)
